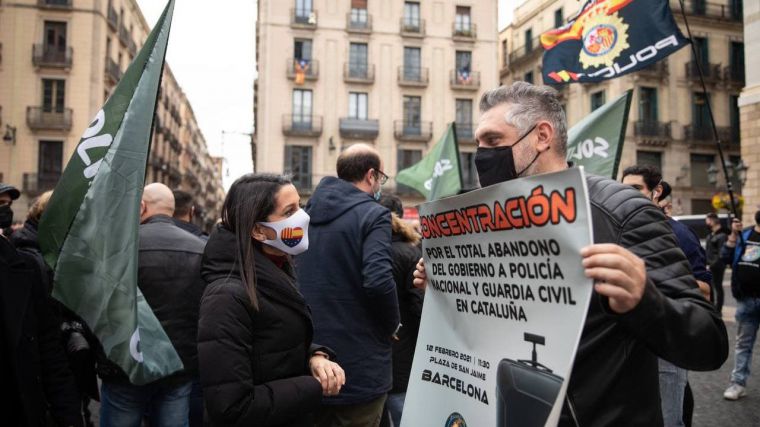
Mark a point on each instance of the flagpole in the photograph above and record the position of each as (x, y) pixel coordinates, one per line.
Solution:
(729, 186)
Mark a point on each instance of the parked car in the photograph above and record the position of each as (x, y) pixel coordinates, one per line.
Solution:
(697, 223)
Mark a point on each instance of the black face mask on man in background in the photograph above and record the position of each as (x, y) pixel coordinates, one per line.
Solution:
(496, 165)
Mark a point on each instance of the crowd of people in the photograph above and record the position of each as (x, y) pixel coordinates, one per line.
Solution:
(308, 316)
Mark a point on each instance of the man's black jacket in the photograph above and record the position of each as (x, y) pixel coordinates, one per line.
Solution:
(614, 381)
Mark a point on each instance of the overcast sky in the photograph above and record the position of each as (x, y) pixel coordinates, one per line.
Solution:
(211, 53)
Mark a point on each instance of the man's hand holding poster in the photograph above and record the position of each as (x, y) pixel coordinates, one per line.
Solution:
(505, 304)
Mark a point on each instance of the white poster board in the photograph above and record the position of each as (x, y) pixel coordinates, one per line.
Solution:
(505, 303)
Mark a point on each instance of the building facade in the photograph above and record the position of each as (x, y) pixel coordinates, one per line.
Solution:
(749, 105)
(392, 74)
(59, 61)
(668, 124)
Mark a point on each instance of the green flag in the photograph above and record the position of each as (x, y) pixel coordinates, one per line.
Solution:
(89, 231)
(438, 174)
(596, 142)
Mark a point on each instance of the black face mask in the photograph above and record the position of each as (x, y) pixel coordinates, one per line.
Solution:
(6, 216)
(496, 165)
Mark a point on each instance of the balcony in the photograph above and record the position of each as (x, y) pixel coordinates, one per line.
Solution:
(124, 36)
(465, 132)
(302, 125)
(413, 131)
(412, 76)
(702, 9)
(360, 23)
(652, 133)
(38, 118)
(711, 72)
(464, 32)
(132, 46)
(113, 18)
(303, 18)
(358, 73)
(704, 134)
(113, 71)
(55, 4)
(658, 71)
(734, 76)
(463, 80)
(352, 128)
(37, 183)
(44, 55)
(302, 69)
(526, 52)
(412, 27)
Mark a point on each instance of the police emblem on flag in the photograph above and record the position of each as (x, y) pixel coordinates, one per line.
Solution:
(604, 38)
(291, 236)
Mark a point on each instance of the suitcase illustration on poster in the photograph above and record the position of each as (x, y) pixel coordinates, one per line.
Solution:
(525, 389)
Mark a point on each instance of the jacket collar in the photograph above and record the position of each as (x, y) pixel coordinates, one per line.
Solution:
(159, 218)
(279, 284)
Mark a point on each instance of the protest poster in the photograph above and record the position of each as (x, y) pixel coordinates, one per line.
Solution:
(505, 304)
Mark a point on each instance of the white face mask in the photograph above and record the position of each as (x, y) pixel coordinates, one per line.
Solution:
(292, 233)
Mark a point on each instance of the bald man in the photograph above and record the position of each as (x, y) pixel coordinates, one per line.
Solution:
(346, 277)
(169, 266)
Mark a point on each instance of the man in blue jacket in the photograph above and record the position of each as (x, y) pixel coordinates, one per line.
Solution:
(346, 277)
(744, 256)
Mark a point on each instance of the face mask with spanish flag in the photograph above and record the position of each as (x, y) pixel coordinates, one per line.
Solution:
(292, 233)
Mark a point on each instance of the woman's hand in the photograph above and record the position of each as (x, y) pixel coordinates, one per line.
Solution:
(328, 373)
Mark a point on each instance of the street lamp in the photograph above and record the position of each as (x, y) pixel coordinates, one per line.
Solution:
(712, 174)
(10, 135)
(741, 171)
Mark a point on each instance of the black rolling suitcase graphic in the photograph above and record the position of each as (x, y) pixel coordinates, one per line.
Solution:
(526, 390)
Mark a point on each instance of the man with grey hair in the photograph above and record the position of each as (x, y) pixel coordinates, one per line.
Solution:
(645, 302)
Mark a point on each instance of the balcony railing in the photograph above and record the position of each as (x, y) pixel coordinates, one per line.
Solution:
(525, 52)
(709, 10)
(734, 75)
(464, 80)
(358, 73)
(705, 133)
(301, 125)
(353, 128)
(412, 131)
(55, 4)
(412, 76)
(658, 70)
(40, 118)
(412, 27)
(357, 22)
(303, 18)
(711, 71)
(464, 32)
(124, 36)
(465, 132)
(113, 71)
(309, 68)
(113, 18)
(44, 55)
(653, 129)
(37, 183)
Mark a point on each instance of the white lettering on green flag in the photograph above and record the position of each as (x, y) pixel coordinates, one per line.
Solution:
(89, 231)
(438, 174)
(596, 142)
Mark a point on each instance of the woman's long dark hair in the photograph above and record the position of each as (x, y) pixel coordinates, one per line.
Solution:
(251, 199)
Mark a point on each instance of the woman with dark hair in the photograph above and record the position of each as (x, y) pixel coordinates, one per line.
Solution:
(258, 365)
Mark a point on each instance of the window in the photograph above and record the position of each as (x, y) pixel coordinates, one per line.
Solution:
(55, 36)
(108, 48)
(357, 60)
(49, 164)
(699, 7)
(304, 9)
(528, 77)
(53, 95)
(298, 166)
(464, 114)
(412, 63)
(412, 16)
(469, 172)
(648, 104)
(302, 50)
(357, 105)
(597, 100)
(529, 40)
(651, 158)
(700, 115)
(359, 15)
(406, 159)
(736, 60)
(558, 18)
(703, 54)
(699, 165)
(504, 53)
(412, 115)
(733, 113)
(463, 21)
(463, 61)
(302, 108)
(737, 9)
